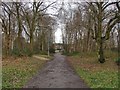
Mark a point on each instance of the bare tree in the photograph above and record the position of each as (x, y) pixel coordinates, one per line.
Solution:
(101, 31)
(33, 17)
(6, 18)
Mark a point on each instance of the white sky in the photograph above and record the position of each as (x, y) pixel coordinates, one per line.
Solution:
(58, 33)
(58, 36)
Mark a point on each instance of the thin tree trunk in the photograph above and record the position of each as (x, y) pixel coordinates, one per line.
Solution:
(8, 38)
(119, 41)
(20, 30)
(7, 45)
(31, 43)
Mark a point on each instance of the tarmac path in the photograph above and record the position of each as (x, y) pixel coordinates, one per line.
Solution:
(57, 73)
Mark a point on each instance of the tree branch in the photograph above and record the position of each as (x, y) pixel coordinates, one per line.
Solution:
(47, 6)
(26, 31)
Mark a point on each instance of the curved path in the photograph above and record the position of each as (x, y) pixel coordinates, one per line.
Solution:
(56, 74)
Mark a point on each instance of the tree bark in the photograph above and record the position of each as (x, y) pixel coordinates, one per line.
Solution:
(101, 57)
(20, 47)
(8, 37)
(31, 42)
(119, 40)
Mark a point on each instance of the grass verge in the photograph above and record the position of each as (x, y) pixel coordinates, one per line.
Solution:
(96, 75)
(17, 71)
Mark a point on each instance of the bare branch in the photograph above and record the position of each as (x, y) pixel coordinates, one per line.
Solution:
(48, 6)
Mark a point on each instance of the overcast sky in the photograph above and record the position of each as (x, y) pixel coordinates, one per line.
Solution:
(58, 4)
(58, 33)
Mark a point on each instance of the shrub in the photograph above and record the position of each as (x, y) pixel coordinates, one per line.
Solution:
(65, 53)
(27, 52)
(21, 52)
(118, 61)
(43, 52)
(52, 50)
(36, 51)
(114, 49)
(16, 52)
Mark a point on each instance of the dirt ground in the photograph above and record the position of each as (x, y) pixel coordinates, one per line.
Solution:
(56, 74)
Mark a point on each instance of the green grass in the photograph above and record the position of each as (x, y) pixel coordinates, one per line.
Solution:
(96, 75)
(103, 79)
(16, 72)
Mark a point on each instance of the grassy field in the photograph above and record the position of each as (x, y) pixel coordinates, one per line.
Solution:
(17, 71)
(96, 75)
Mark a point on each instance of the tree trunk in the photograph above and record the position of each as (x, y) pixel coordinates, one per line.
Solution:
(20, 47)
(7, 44)
(100, 39)
(32, 29)
(119, 42)
(100, 52)
(8, 37)
(31, 43)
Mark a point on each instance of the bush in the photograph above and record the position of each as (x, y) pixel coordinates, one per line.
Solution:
(52, 50)
(36, 51)
(114, 49)
(75, 53)
(43, 52)
(27, 52)
(118, 61)
(24, 52)
(16, 52)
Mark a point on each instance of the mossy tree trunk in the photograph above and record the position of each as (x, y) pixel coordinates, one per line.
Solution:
(101, 57)
(100, 39)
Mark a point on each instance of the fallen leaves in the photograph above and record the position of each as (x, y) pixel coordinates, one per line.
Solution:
(16, 71)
